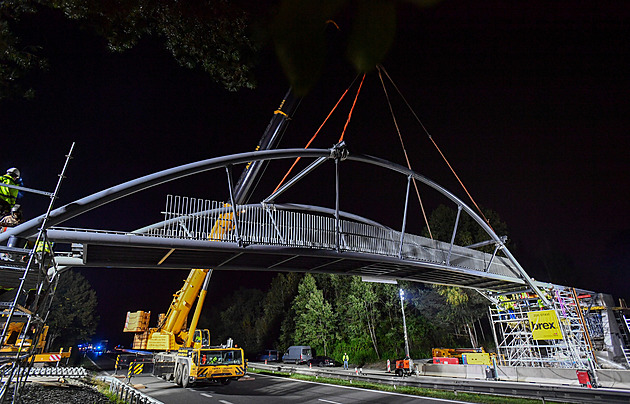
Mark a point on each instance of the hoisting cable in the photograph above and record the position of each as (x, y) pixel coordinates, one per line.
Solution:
(316, 133)
(402, 143)
(437, 147)
(351, 109)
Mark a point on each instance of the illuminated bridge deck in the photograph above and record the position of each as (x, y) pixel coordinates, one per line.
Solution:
(266, 239)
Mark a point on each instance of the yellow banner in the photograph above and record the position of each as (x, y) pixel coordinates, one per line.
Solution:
(544, 324)
(478, 359)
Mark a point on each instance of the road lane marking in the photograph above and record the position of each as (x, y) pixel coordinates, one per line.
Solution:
(328, 401)
(206, 395)
(224, 402)
(389, 393)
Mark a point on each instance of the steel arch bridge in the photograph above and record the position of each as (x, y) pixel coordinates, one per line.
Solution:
(268, 236)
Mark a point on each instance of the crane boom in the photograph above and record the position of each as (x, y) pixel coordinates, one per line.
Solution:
(269, 140)
(170, 333)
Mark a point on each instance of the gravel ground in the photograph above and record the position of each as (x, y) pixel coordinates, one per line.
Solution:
(72, 392)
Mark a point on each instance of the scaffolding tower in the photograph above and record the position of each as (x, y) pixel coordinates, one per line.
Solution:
(28, 278)
(511, 317)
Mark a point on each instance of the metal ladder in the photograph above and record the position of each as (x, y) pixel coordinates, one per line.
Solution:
(624, 325)
(27, 270)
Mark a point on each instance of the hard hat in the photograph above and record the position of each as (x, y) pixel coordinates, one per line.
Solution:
(14, 172)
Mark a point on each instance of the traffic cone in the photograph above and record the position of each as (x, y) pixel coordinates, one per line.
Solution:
(265, 361)
(310, 365)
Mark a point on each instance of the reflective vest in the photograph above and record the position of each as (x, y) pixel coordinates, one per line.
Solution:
(345, 357)
(43, 246)
(9, 195)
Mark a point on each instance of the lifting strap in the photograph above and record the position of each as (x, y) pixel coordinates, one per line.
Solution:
(402, 143)
(380, 67)
(320, 128)
(351, 109)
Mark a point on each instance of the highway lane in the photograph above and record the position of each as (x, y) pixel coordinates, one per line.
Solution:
(272, 389)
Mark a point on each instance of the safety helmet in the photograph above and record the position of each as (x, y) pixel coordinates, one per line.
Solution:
(14, 172)
(16, 208)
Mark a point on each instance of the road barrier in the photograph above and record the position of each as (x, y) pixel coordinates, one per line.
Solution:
(547, 391)
(127, 393)
(614, 379)
(459, 371)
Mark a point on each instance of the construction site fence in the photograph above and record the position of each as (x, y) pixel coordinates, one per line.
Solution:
(71, 372)
(128, 393)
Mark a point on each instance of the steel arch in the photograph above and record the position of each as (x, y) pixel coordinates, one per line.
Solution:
(111, 194)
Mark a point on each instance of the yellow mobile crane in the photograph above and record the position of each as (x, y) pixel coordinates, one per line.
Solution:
(186, 356)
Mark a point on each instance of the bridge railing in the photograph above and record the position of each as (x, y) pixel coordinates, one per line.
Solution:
(192, 218)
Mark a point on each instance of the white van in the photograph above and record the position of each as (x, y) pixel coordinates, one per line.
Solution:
(297, 354)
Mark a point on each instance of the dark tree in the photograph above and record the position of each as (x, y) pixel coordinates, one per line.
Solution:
(275, 308)
(72, 315)
(213, 36)
(463, 308)
(16, 59)
(221, 37)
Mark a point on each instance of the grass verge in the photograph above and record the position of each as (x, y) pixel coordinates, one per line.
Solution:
(417, 391)
(103, 388)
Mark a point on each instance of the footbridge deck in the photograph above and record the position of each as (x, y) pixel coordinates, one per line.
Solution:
(274, 238)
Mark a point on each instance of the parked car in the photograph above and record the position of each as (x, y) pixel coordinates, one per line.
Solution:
(297, 354)
(269, 355)
(322, 361)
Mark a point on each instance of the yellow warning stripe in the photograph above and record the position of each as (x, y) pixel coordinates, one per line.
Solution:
(135, 368)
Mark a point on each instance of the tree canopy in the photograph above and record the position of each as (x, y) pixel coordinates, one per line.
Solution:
(212, 36)
(72, 315)
(223, 38)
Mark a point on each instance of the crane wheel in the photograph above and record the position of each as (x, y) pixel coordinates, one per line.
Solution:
(399, 373)
(178, 375)
(185, 376)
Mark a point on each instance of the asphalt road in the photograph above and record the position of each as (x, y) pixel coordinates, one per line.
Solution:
(271, 389)
(104, 361)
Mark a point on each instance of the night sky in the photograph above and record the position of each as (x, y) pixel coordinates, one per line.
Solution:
(528, 101)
